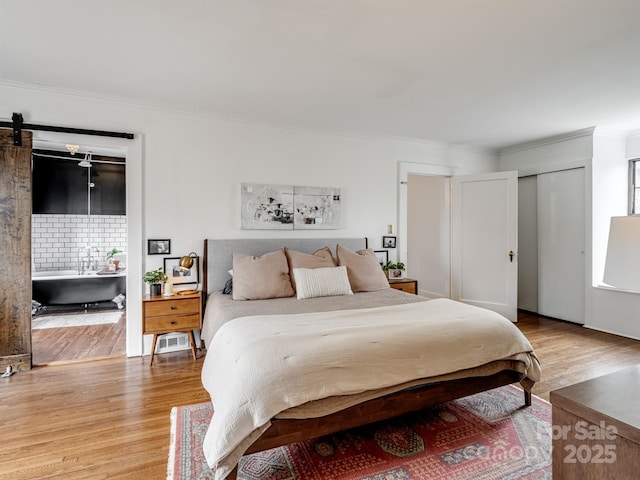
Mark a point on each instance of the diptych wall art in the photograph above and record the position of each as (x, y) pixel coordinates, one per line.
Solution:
(285, 207)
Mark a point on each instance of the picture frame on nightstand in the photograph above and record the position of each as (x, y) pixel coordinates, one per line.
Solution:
(179, 275)
(394, 273)
(383, 257)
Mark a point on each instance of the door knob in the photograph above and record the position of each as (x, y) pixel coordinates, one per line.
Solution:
(511, 254)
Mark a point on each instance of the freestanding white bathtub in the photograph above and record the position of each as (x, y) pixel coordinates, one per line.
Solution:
(68, 286)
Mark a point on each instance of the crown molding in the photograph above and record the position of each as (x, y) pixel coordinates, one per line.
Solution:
(585, 132)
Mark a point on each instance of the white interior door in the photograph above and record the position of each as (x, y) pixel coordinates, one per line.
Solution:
(484, 262)
(561, 239)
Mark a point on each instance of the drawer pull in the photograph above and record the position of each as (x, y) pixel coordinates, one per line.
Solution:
(173, 322)
(173, 307)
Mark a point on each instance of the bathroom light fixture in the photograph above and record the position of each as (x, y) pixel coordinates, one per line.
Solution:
(73, 149)
(87, 161)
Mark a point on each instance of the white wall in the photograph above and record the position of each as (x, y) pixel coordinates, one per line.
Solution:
(547, 155)
(610, 172)
(192, 166)
(633, 144)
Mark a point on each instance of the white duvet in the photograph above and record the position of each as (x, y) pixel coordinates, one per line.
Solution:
(259, 366)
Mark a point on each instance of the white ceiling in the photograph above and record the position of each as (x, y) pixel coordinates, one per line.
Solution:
(486, 73)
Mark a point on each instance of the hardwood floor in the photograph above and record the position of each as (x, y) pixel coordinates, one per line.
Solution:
(66, 344)
(570, 353)
(110, 418)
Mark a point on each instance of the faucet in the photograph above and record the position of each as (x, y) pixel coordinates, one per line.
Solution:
(95, 250)
(88, 259)
(83, 259)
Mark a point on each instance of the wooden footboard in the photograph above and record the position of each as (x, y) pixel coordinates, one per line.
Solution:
(286, 431)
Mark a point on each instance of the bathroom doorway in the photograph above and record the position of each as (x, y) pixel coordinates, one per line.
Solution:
(79, 252)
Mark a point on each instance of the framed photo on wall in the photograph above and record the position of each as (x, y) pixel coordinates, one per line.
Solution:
(383, 257)
(178, 275)
(388, 242)
(158, 247)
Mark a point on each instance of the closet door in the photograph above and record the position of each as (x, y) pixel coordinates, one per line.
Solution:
(561, 240)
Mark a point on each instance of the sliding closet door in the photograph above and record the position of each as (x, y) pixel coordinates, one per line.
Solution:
(561, 239)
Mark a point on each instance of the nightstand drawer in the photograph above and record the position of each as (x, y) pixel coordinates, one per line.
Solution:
(407, 285)
(171, 323)
(177, 306)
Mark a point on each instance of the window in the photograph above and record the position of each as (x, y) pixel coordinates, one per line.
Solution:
(634, 186)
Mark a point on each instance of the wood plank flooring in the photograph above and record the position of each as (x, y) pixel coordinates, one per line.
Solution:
(570, 353)
(110, 418)
(66, 344)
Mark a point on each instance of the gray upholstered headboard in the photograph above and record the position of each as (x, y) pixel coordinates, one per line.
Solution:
(218, 254)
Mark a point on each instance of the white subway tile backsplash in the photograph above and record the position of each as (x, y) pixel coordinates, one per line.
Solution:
(56, 239)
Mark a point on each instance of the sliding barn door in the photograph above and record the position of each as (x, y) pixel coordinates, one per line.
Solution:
(484, 238)
(15, 252)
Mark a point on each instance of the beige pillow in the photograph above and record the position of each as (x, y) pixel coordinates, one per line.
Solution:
(363, 268)
(321, 258)
(258, 278)
(322, 282)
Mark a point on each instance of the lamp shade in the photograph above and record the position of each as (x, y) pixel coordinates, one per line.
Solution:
(622, 267)
(186, 261)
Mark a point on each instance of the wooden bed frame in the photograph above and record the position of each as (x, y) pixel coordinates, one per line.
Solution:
(287, 431)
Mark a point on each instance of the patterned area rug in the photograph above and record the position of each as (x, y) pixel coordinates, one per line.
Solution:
(490, 435)
(75, 320)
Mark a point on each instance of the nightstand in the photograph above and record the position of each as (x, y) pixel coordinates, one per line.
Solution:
(408, 285)
(178, 313)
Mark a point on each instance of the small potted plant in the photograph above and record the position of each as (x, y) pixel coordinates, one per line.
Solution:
(395, 270)
(155, 279)
(110, 254)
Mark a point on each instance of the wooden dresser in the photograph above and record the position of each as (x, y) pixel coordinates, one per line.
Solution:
(596, 427)
(408, 285)
(177, 313)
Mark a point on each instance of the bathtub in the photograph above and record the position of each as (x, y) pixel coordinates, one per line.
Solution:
(68, 286)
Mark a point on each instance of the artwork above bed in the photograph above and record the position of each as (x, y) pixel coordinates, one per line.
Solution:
(285, 207)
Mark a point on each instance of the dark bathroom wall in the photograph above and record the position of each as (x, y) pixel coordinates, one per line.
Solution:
(60, 187)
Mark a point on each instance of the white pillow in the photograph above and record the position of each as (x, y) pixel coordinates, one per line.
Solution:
(321, 282)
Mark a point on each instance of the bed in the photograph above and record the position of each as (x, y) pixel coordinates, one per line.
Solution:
(282, 370)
